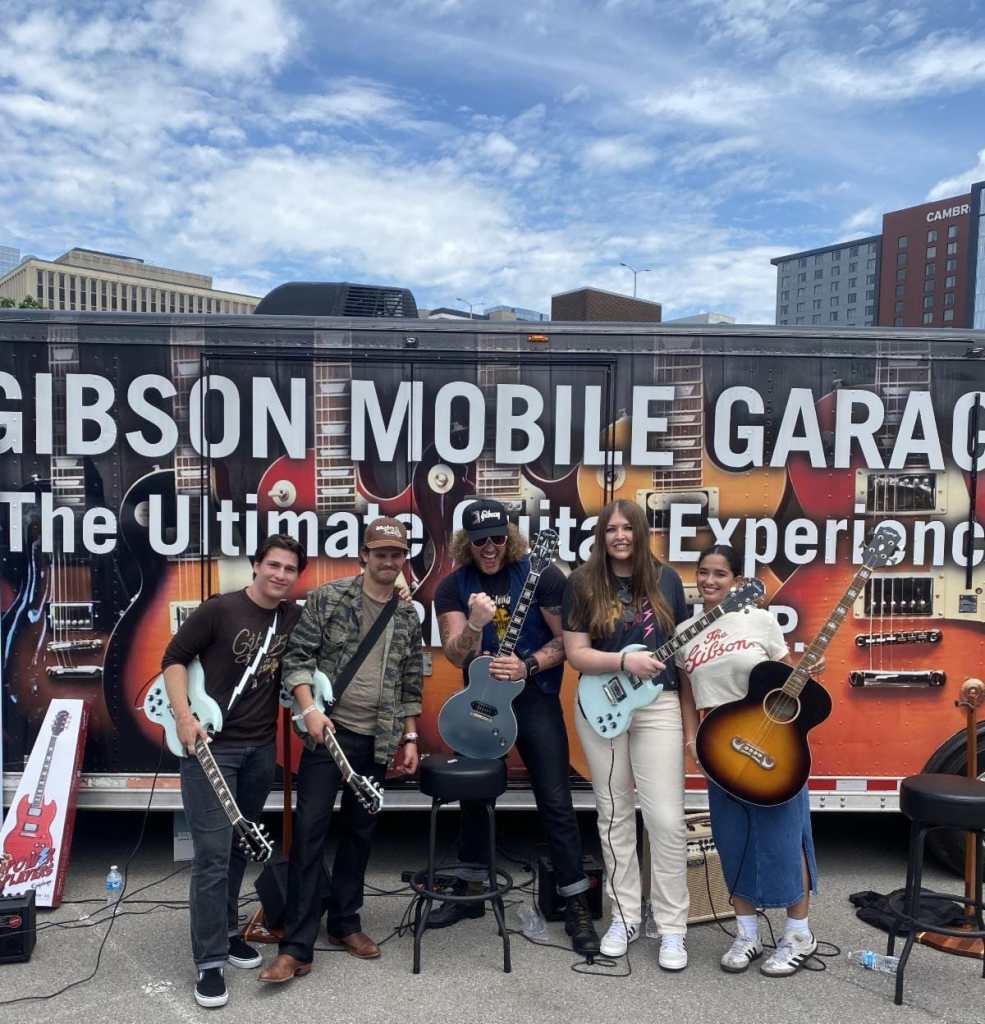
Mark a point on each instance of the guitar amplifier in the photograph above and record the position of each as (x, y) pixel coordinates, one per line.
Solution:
(708, 893)
(17, 928)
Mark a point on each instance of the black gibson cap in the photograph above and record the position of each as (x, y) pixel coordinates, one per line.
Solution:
(485, 518)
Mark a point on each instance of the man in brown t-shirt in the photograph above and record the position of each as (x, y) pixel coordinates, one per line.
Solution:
(239, 638)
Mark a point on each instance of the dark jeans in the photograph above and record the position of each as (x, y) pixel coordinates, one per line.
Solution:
(219, 863)
(319, 780)
(542, 741)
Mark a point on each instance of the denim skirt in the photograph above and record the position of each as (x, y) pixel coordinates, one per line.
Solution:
(760, 847)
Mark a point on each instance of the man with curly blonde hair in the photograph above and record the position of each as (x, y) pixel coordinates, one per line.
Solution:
(474, 605)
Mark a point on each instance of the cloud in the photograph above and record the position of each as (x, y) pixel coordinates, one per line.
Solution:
(959, 184)
(617, 154)
(867, 221)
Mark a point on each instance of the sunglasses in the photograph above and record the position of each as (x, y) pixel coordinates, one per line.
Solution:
(498, 539)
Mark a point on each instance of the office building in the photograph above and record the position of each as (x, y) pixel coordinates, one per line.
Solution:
(86, 279)
(596, 304)
(9, 258)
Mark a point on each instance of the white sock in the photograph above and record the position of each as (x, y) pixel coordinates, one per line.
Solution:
(796, 924)
(748, 926)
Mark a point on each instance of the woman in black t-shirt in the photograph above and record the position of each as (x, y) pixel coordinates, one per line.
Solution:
(624, 595)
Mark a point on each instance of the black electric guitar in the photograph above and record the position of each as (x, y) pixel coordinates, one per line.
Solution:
(480, 721)
(756, 748)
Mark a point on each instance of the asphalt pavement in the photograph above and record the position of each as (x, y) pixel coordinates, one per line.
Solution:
(145, 974)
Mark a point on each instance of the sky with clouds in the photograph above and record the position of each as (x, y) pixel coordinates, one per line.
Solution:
(493, 152)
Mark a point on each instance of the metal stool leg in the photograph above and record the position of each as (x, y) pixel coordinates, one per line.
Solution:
(496, 902)
(979, 880)
(427, 901)
(918, 832)
(894, 929)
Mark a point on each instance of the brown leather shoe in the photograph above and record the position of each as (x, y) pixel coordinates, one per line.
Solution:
(358, 944)
(284, 967)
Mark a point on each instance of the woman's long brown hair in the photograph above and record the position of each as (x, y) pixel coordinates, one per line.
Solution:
(596, 601)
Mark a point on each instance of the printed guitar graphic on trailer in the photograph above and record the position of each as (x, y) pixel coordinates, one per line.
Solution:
(609, 700)
(367, 791)
(30, 837)
(252, 837)
(480, 721)
(756, 748)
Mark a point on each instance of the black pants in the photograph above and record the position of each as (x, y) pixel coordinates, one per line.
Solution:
(319, 780)
(542, 741)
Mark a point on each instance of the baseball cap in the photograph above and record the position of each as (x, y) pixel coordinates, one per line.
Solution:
(386, 533)
(485, 518)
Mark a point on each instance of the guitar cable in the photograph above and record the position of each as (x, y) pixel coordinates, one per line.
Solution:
(112, 919)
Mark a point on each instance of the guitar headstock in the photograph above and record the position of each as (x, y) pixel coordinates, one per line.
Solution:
(60, 723)
(368, 792)
(542, 553)
(881, 550)
(746, 595)
(254, 840)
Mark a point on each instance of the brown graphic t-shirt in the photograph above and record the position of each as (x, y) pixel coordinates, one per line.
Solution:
(225, 633)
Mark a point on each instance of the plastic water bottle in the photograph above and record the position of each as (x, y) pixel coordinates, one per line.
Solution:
(873, 961)
(114, 886)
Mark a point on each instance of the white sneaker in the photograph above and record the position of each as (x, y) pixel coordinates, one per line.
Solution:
(673, 952)
(789, 956)
(616, 940)
(741, 954)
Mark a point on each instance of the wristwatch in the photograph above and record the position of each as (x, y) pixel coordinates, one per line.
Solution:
(532, 666)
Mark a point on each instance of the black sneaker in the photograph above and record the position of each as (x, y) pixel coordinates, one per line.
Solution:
(242, 954)
(578, 924)
(210, 991)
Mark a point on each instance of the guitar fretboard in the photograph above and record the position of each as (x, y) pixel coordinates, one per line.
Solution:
(685, 417)
(190, 469)
(491, 479)
(338, 756)
(43, 777)
(67, 471)
(902, 367)
(512, 633)
(212, 773)
(685, 636)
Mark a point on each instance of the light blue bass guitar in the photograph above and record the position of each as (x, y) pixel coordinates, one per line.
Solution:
(252, 837)
(609, 700)
(368, 792)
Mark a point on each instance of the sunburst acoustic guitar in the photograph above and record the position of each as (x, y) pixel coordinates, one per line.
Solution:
(756, 748)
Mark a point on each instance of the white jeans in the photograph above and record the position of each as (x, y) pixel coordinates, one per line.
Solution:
(645, 761)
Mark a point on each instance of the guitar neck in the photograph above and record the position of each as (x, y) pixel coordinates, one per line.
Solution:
(685, 636)
(519, 615)
(338, 755)
(212, 773)
(797, 679)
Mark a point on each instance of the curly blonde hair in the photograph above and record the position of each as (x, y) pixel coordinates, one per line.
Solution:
(461, 547)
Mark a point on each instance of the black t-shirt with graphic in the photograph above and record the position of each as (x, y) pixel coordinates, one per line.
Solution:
(548, 595)
(224, 633)
(636, 625)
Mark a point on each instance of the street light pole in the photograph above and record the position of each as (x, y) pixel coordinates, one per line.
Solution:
(635, 270)
(465, 302)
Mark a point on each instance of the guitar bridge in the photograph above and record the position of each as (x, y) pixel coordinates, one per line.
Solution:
(753, 752)
(913, 636)
(67, 646)
(897, 680)
(487, 712)
(614, 690)
(74, 672)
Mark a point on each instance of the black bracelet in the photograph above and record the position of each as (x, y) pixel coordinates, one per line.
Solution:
(532, 666)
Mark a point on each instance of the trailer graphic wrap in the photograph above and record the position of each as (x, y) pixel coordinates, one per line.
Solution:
(141, 465)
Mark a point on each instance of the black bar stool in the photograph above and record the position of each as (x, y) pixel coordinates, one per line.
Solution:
(448, 780)
(930, 802)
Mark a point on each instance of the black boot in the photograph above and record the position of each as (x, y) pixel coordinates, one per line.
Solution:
(578, 924)
(451, 913)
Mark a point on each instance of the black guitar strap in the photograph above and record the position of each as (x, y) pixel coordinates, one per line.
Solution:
(365, 646)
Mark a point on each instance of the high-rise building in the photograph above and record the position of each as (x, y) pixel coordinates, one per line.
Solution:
(926, 269)
(86, 279)
(837, 284)
(9, 258)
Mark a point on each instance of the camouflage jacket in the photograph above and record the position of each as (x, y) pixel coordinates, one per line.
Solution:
(327, 636)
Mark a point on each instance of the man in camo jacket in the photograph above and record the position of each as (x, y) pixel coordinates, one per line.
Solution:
(374, 721)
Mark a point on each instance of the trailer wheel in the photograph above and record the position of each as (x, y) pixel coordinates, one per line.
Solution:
(947, 845)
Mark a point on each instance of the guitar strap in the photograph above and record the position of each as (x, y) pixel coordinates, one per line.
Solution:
(365, 646)
(254, 664)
